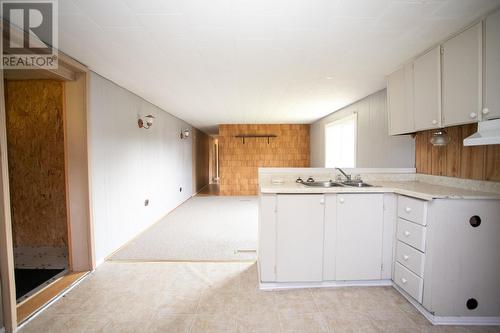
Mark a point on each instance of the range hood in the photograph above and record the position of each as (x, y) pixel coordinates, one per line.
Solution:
(488, 133)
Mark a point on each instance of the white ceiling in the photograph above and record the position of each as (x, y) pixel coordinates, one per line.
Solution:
(255, 61)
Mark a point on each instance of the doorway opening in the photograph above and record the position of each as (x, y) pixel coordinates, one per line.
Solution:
(37, 182)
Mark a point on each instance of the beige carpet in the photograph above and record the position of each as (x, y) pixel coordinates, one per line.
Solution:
(212, 228)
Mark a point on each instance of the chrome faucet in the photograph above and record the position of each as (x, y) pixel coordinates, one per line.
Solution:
(348, 177)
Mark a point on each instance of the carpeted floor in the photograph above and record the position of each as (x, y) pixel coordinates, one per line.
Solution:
(212, 228)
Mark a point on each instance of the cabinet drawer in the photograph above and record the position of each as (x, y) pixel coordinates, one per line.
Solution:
(411, 234)
(409, 282)
(411, 209)
(410, 258)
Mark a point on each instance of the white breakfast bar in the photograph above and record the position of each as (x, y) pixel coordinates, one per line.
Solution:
(439, 245)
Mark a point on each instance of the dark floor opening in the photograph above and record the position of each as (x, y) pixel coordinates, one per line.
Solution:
(28, 280)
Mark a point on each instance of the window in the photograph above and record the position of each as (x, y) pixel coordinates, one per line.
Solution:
(340, 143)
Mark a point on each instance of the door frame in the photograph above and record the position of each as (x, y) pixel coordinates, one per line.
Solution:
(77, 173)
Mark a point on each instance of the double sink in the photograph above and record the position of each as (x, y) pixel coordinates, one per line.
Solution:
(330, 183)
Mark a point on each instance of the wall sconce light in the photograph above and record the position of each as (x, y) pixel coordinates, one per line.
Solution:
(185, 133)
(440, 138)
(147, 122)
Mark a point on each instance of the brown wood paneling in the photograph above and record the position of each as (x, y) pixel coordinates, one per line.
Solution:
(453, 151)
(492, 162)
(200, 160)
(35, 140)
(455, 160)
(239, 162)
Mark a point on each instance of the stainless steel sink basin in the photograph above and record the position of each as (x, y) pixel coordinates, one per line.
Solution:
(322, 184)
(354, 183)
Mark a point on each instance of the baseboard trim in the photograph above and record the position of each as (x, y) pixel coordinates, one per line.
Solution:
(322, 284)
(449, 320)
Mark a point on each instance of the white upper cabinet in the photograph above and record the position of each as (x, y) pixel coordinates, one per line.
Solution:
(360, 223)
(427, 90)
(462, 77)
(491, 108)
(299, 237)
(400, 101)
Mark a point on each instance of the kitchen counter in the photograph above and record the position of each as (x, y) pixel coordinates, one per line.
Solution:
(417, 189)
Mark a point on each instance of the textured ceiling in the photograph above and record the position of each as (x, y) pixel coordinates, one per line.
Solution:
(255, 61)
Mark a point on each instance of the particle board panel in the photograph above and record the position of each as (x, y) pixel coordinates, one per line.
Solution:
(35, 141)
(240, 161)
(456, 160)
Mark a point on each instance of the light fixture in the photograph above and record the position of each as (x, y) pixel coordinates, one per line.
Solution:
(147, 122)
(185, 133)
(440, 138)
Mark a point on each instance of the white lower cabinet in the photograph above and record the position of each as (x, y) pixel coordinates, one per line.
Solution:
(306, 238)
(450, 265)
(359, 236)
(462, 269)
(299, 237)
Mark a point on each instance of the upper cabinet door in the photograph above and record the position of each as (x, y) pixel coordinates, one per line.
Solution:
(400, 101)
(462, 77)
(427, 90)
(492, 67)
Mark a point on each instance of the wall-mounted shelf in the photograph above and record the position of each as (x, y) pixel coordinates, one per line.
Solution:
(246, 136)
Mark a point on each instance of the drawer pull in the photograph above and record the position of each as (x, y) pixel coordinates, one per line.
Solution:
(322, 201)
(407, 209)
(406, 257)
(473, 115)
(407, 233)
(486, 111)
(434, 122)
(341, 200)
(403, 280)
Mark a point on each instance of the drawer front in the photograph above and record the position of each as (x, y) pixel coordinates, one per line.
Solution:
(411, 209)
(412, 234)
(410, 258)
(409, 282)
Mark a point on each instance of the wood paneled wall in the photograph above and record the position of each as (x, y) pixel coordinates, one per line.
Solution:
(200, 160)
(35, 141)
(455, 160)
(239, 161)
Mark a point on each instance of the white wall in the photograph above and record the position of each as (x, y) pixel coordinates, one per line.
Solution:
(375, 148)
(129, 165)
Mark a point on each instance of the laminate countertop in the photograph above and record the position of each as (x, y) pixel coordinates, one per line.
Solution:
(416, 189)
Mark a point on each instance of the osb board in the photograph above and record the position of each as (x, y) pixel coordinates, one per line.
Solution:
(35, 142)
(455, 160)
(240, 161)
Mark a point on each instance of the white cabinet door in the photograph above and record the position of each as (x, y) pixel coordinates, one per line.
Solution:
(462, 77)
(359, 236)
(299, 237)
(491, 108)
(267, 237)
(427, 90)
(400, 101)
